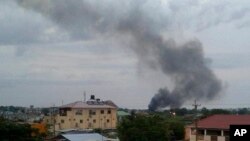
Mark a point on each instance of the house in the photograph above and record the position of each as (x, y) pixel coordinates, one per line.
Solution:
(215, 128)
(91, 114)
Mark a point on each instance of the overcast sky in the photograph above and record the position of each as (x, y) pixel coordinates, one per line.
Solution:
(51, 51)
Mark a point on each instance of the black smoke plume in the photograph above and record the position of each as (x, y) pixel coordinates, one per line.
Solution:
(144, 26)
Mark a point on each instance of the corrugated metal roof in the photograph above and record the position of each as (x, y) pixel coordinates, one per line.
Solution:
(223, 121)
(84, 137)
(122, 113)
(81, 104)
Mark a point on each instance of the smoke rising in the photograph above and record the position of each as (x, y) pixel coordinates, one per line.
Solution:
(143, 25)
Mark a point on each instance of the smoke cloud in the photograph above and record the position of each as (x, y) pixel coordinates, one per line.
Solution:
(144, 25)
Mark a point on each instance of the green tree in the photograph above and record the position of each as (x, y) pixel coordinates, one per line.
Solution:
(149, 128)
(176, 126)
(219, 111)
(243, 111)
(10, 131)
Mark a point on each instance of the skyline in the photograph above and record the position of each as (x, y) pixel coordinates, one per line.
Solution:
(51, 51)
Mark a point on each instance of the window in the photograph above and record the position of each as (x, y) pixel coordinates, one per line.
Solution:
(94, 121)
(92, 112)
(78, 112)
(109, 111)
(102, 111)
(62, 121)
(81, 121)
(107, 120)
(89, 125)
(63, 112)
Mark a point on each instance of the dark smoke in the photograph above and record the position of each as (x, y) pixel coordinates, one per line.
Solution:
(143, 27)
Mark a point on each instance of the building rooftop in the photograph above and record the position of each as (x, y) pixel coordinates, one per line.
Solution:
(223, 121)
(89, 104)
(84, 137)
(123, 113)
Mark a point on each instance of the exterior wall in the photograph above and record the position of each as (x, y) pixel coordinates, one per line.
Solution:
(209, 135)
(221, 138)
(187, 133)
(207, 138)
(87, 118)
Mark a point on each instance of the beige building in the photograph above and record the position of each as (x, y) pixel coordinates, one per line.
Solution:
(215, 128)
(91, 114)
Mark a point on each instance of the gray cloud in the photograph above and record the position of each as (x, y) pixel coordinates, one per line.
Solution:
(19, 26)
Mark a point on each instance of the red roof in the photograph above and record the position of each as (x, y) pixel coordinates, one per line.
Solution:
(223, 121)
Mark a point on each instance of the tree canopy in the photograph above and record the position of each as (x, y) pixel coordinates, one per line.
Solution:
(10, 131)
(150, 128)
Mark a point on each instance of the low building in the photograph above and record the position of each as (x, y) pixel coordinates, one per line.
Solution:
(121, 115)
(82, 137)
(91, 114)
(215, 128)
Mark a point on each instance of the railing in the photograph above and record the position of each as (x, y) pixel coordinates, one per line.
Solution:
(200, 137)
(214, 138)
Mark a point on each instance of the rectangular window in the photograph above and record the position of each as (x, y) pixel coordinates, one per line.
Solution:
(78, 112)
(92, 112)
(109, 111)
(81, 121)
(102, 111)
(62, 121)
(94, 121)
(63, 112)
(89, 125)
(107, 120)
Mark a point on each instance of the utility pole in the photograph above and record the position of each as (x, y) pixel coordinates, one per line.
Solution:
(196, 119)
(53, 115)
(84, 96)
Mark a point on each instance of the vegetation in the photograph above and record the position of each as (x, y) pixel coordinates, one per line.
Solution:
(149, 128)
(10, 131)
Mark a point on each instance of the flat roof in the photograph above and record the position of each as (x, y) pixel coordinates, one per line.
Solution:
(85, 105)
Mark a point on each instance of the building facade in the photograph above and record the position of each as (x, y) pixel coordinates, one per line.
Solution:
(215, 128)
(91, 114)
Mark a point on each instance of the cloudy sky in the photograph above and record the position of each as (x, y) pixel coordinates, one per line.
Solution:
(51, 51)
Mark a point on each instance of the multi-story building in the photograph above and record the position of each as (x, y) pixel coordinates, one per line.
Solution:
(91, 114)
(215, 128)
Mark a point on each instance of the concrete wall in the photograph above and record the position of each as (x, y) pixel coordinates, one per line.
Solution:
(86, 120)
(207, 138)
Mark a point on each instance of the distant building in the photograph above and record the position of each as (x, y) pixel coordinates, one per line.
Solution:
(121, 115)
(91, 114)
(215, 128)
